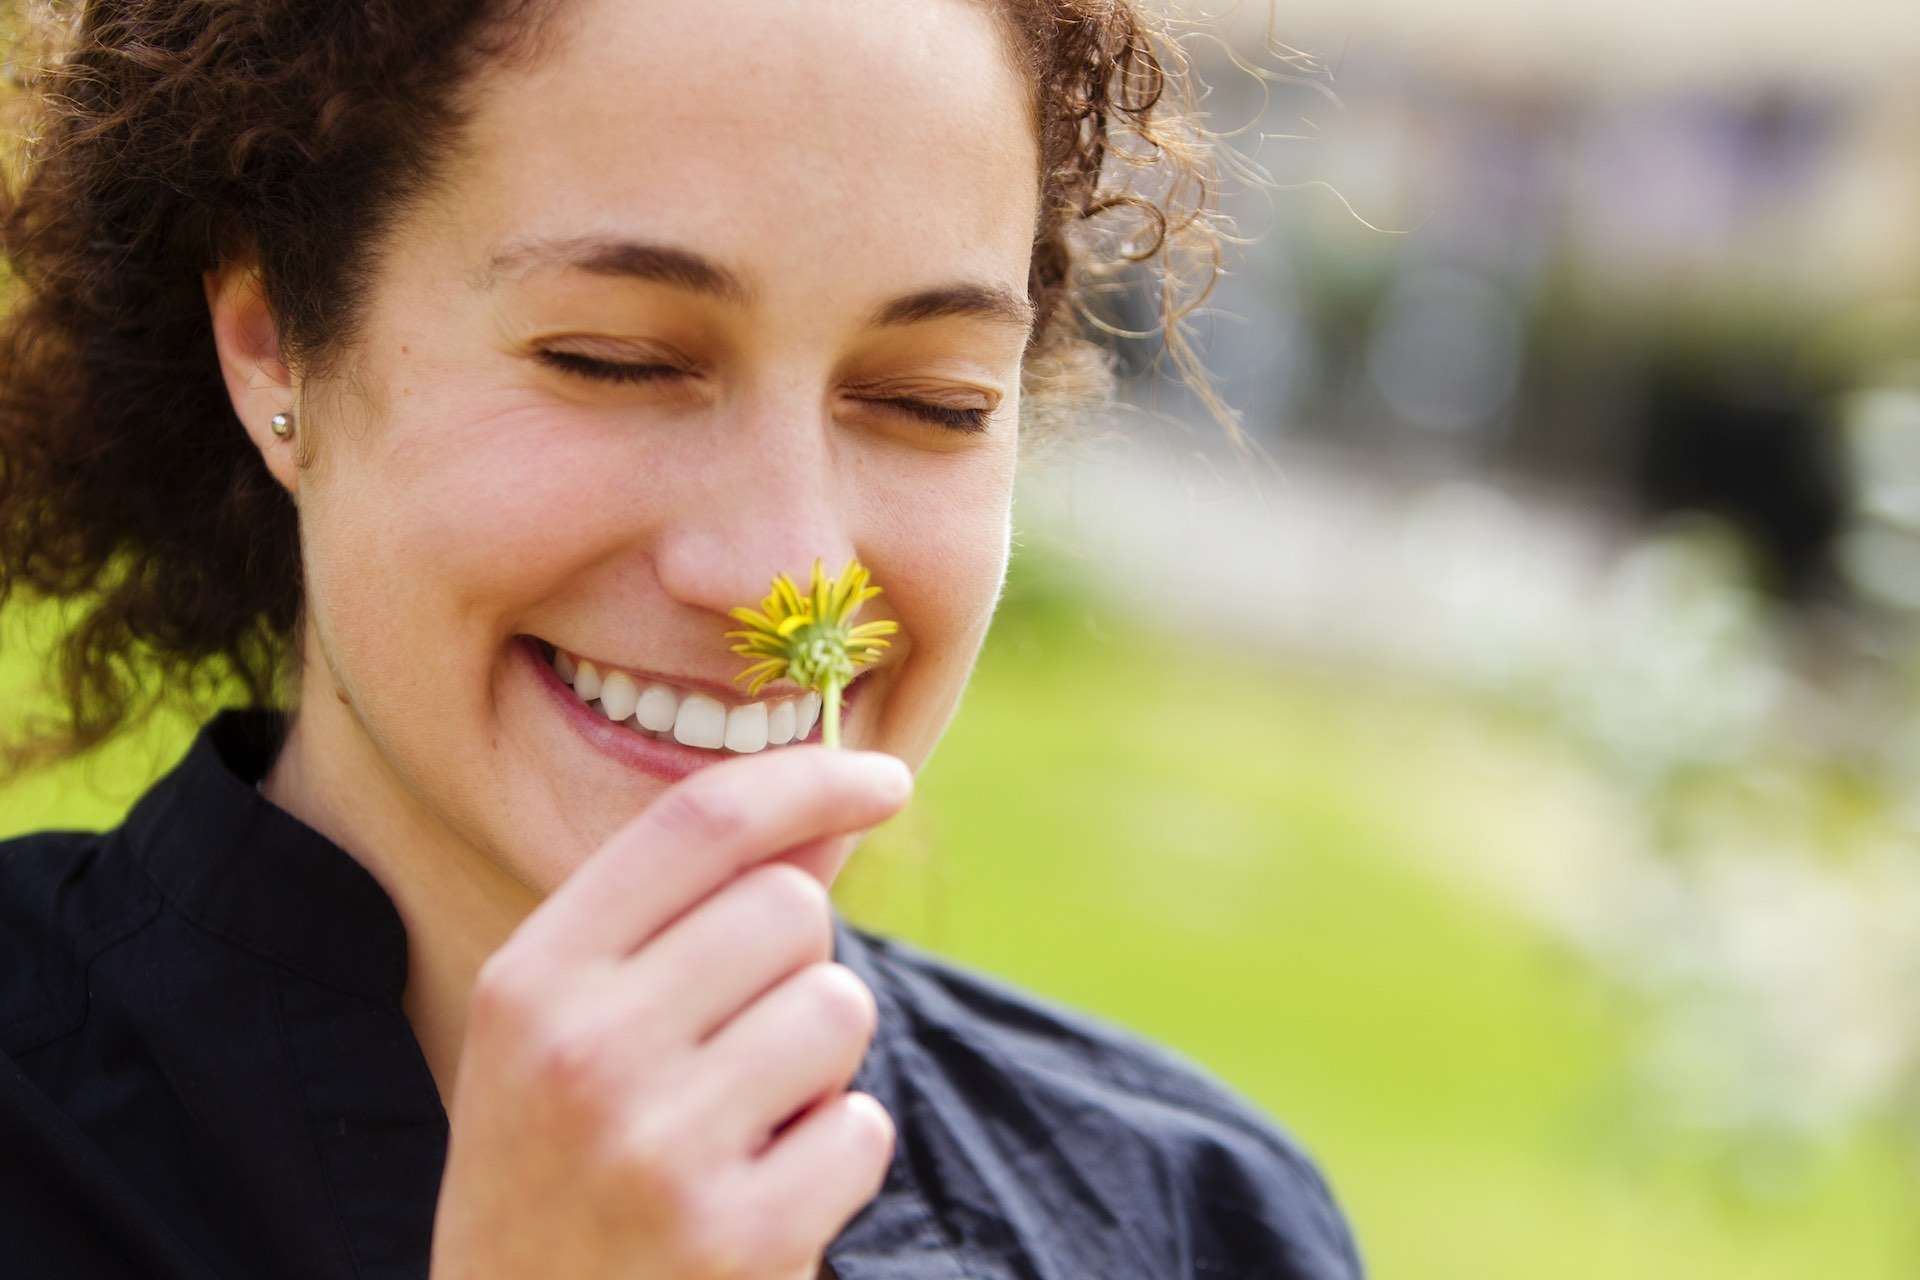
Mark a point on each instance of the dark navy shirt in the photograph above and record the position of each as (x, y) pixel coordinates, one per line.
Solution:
(206, 1071)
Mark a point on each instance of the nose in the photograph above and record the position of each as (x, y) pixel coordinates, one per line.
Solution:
(755, 515)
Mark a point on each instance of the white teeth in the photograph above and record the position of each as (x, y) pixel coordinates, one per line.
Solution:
(747, 727)
(618, 693)
(658, 708)
(694, 719)
(780, 721)
(586, 681)
(701, 722)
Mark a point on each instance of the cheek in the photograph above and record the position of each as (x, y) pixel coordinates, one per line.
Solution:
(457, 520)
(945, 557)
(947, 542)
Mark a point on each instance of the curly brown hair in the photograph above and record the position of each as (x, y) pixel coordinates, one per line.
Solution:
(156, 140)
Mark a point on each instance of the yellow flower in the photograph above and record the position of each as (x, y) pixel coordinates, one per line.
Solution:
(808, 639)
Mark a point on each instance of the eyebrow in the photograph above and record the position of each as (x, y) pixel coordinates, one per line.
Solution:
(683, 269)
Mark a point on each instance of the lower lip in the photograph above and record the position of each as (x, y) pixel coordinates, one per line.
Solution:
(663, 759)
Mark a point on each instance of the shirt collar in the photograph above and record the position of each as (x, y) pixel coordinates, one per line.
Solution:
(248, 871)
(245, 869)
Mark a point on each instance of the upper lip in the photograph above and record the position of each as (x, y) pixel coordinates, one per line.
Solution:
(727, 694)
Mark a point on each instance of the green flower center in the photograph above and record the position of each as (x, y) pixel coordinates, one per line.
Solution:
(817, 653)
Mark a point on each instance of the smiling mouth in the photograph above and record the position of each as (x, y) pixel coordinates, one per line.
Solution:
(666, 712)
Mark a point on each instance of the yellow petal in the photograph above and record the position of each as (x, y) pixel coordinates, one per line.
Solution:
(837, 590)
(789, 595)
(856, 589)
(751, 617)
(818, 590)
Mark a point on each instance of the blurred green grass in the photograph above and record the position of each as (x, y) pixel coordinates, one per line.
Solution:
(1248, 862)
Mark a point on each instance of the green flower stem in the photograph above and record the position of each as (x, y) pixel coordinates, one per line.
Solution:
(830, 714)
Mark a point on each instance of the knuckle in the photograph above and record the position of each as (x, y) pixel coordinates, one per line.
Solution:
(795, 906)
(504, 992)
(702, 814)
(842, 999)
(647, 1162)
(569, 1065)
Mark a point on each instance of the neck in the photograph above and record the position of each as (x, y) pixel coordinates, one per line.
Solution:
(457, 905)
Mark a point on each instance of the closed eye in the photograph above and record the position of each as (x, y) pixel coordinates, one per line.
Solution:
(611, 371)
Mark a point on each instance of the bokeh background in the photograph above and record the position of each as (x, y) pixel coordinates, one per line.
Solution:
(1506, 773)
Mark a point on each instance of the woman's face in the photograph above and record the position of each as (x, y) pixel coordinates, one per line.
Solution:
(804, 220)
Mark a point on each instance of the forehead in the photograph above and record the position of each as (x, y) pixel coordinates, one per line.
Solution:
(791, 137)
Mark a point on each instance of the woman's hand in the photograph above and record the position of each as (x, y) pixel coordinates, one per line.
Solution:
(633, 1048)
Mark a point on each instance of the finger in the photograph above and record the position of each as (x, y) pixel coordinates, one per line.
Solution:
(803, 1040)
(822, 858)
(826, 1167)
(726, 951)
(703, 831)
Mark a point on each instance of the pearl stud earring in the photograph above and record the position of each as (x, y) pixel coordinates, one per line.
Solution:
(283, 425)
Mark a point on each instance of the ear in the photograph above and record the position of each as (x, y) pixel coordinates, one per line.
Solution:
(258, 381)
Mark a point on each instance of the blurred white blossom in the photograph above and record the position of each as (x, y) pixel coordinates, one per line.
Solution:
(1782, 967)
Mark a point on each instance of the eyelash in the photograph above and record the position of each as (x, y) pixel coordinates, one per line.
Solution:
(609, 371)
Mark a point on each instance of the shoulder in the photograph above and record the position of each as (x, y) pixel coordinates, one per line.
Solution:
(64, 897)
(1132, 1130)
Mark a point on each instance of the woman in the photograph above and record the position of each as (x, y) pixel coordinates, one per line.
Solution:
(394, 358)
